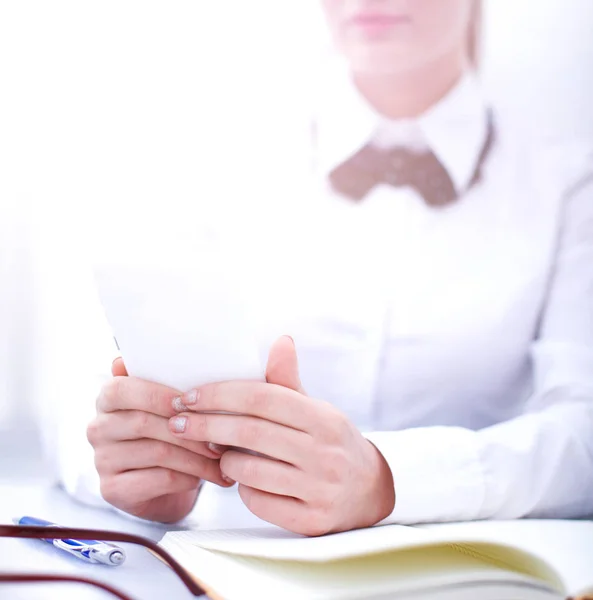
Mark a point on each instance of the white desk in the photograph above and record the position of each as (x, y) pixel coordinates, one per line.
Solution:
(142, 575)
(23, 490)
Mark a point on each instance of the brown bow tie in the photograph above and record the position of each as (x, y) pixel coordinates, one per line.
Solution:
(370, 166)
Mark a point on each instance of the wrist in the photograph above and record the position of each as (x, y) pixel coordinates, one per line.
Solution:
(382, 488)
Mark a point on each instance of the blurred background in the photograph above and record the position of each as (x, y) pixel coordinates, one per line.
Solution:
(109, 106)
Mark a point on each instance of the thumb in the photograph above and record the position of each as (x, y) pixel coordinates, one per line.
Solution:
(283, 366)
(118, 368)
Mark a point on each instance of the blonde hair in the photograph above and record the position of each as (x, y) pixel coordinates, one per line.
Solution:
(474, 42)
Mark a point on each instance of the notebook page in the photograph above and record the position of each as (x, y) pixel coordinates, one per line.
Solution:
(370, 576)
(276, 543)
(565, 545)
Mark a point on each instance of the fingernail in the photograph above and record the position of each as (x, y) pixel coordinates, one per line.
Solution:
(216, 449)
(192, 397)
(178, 424)
(291, 339)
(227, 479)
(178, 405)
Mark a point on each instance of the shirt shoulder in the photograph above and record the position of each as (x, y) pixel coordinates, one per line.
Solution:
(560, 162)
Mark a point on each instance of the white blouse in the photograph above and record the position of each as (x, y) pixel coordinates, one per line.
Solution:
(459, 339)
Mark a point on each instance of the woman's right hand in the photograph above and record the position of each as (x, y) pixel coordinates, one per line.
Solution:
(143, 471)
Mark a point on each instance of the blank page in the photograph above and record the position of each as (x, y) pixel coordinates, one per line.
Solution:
(271, 542)
(233, 576)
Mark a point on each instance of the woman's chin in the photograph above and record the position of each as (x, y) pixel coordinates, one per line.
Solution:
(376, 58)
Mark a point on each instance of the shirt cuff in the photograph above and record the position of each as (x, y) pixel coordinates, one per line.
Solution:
(81, 482)
(437, 474)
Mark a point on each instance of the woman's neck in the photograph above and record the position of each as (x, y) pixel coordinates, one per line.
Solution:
(408, 94)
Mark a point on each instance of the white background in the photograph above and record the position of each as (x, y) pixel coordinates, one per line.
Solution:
(102, 102)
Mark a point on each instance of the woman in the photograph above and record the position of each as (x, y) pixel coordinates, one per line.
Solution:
(467, 350)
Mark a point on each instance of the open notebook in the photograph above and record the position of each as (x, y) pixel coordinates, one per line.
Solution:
(529, 560)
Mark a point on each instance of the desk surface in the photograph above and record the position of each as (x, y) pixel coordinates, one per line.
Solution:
(23, 490)
(142, 576)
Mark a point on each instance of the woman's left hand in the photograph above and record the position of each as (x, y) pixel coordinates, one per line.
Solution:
(322, 476)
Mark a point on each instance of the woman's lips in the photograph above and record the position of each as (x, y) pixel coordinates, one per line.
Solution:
(375, 24)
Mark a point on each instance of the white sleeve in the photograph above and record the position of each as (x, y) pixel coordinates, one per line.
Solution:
(75, 350)
(539, 464)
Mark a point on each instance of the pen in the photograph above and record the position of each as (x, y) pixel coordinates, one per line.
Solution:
(90, 551)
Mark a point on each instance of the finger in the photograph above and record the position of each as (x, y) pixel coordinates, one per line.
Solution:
(258, 399)
(265, 474)
(128, 425)
(288, 513)
(283, 366)
(118, 368)
(131, 393)
(259, 435)
(144, 454)
(135, 487)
